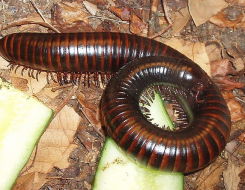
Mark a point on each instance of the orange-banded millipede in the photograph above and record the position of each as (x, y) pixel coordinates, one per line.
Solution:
(186, 150)
(74, 54)
(139, 63)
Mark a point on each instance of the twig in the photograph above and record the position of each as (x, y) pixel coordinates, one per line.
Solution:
(166, 13)
(154, 8)
(89, 121)
(110, 19)
(64, 102)
(161, 32)
(41, 15)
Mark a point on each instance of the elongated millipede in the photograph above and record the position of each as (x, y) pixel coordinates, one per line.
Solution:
(151, 63)
(77, 53)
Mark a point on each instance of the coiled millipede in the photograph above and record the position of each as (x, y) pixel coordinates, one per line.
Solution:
(70, 56)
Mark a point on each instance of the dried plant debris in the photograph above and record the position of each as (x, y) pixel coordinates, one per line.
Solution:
(202, 10)
(208, 32)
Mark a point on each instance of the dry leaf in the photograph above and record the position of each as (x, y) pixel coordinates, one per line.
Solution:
(181, 19)
(226, 83)
(34, 18)
(221, 20)
(89, 101)
(221, 68)
(211, 175)
(202, 10)
(33, 85)
(20, 83)
(92, 8)
(236, 110)
(194, 51)
(3, 63)
(220, 71)
(236, 2)
(55, 145)
(136, 24)
(67, 15)
(238, 63)
(234, 106)
(31, 181)
(213, 50)
(72, 12)
(231, 178)
(123, 14)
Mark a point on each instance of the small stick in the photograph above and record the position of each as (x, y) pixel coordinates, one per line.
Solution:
(154, 8)
(160, 32)
(41, 15)
(166, 13)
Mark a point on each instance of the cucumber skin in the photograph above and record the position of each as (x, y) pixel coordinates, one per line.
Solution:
(117, 171)
(24, 120)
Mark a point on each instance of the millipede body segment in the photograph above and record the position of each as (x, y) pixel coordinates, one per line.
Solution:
(140, 63)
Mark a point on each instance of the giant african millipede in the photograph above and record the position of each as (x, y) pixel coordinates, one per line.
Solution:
(71, 55)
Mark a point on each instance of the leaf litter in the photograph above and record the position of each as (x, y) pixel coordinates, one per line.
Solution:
(208, 32)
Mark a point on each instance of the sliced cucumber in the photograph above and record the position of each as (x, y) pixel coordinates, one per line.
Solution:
(117, 172)
(22, 121)
(158, 112)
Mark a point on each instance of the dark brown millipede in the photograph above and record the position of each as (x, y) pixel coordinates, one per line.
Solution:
(183, 151)
(71, 55)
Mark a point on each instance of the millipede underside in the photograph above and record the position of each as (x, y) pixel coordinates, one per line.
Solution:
(170, 96)
(85, 78)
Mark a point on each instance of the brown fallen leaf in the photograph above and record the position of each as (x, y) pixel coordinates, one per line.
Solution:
(236, 110)
(20, 83)
(30, 181)
(181, 18)
(92, 8)
(238, 63)
(123, 14)
(231, 178)
(33, 86)
(226, 83)
(211, 175)
(136, 24)
(213, 50)
(221, 20)
(236, 2)
(33, 18)
(202, 10)
(220, 71)
(240, 25)
(195, 51)
(70, 17)
(221, 68)
(89, 101)
(234, 106)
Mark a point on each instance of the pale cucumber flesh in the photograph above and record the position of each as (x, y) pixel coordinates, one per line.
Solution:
(117, 172)
(22, 121)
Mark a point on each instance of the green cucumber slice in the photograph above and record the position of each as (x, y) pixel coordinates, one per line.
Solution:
(158, 112)
(22, 121)
(117, 171)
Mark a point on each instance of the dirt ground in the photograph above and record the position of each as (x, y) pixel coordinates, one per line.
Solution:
(210, 33)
